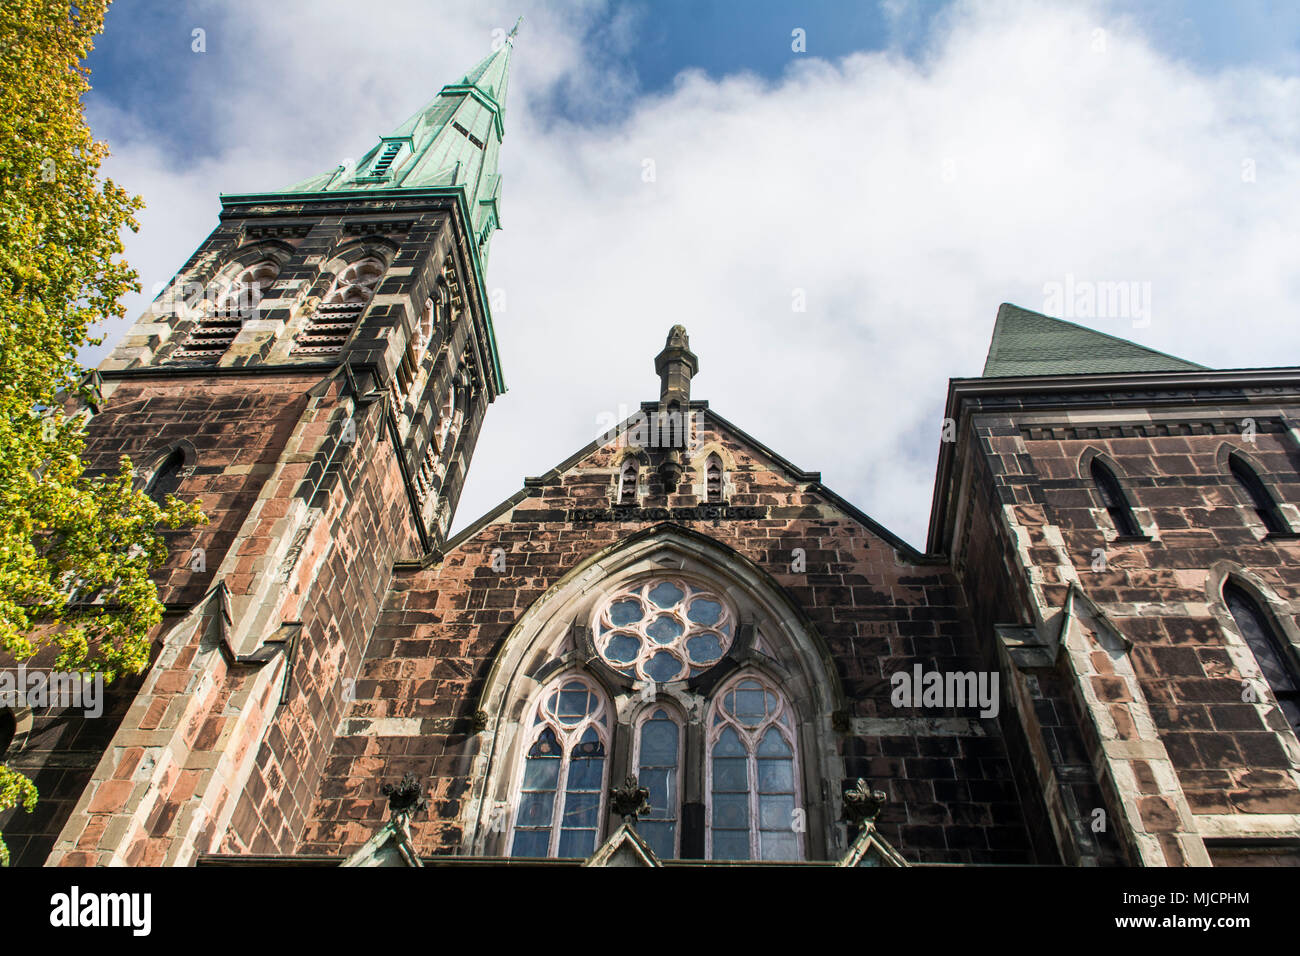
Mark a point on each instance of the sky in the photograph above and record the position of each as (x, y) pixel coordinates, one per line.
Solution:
(833, 198)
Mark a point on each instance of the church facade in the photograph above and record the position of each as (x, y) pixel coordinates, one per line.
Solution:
(1095, 661)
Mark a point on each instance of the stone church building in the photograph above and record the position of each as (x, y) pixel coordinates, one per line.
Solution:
(1095, 660)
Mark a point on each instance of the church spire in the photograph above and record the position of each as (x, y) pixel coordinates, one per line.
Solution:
(453, 142)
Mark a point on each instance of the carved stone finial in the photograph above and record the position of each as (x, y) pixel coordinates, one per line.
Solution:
(478, 721)
(675, 366)
(630, 800)
(862, 804)
(406, 798)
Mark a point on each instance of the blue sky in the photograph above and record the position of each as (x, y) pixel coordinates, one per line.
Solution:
(143, 63)
(916, 165)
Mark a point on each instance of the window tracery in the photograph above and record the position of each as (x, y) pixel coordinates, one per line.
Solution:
(562, 791)
(663, 629)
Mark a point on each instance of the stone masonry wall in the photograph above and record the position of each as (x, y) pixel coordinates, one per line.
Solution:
(878, 610)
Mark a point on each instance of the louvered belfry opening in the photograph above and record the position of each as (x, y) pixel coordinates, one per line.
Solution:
(334, 320)
(208, 341)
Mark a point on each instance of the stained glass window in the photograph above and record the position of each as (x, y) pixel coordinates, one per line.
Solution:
(562, 790)
(754, 811)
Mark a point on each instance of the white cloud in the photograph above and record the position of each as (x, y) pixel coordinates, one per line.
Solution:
(906, 198)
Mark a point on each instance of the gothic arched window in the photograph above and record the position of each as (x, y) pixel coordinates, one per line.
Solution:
(753, 811)
(1262, 501)
(166, 478)
(1275, 658)
(562, 793)
(692, 679)
(658, 762)
(713, 479)
(627, 481)
(210, 338)
(1112, 498)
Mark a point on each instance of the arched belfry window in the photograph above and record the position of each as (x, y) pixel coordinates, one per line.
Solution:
(752, 779)
(336, 317)
(1112, 498)
(1275, 658)
(167, 477)
(236, 301)
(628, 476)
(1260, 498)
(713, 479)
(562, 790)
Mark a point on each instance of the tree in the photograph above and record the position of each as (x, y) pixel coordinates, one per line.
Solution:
(76, 549)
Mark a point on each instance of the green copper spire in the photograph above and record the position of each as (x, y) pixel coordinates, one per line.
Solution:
(454, 141)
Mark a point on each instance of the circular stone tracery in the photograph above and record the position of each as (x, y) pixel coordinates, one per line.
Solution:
(664, 629)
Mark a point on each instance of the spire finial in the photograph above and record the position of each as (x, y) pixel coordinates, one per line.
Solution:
(676, 364)
(514, 30)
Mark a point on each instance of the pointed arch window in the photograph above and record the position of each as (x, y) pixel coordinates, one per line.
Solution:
(1275, 658)
(752, 771)
(628, 477)
(1112, 497)
(237, 302)
(1260, 498)
(166, 478)
(713, 479)
(334, 320)
(658, 762)
(562, 793)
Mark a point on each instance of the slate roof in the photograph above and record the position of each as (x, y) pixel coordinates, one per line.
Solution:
(1027, 343)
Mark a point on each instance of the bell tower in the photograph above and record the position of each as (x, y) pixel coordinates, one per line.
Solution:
(317, 375)
(374, 269)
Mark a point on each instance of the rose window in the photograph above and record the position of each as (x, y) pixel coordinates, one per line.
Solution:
(663, 630)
